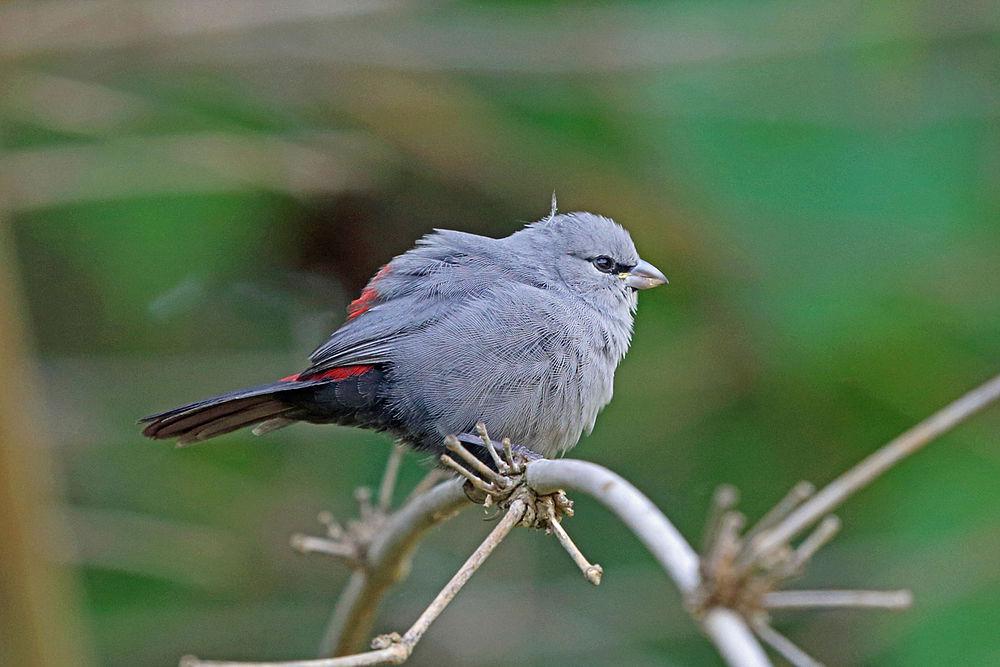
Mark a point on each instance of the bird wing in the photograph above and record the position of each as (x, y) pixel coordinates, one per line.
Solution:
(408, 294)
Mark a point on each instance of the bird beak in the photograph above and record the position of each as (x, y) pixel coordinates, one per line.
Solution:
(644, 275)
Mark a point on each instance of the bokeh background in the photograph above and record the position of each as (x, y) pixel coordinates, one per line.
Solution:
(191, 192)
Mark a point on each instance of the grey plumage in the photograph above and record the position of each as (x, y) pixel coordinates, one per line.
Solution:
(523, 333)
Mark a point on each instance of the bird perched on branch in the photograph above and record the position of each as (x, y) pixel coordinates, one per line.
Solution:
(522, 333)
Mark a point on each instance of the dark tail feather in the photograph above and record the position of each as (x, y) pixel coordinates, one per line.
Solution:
(222, 414)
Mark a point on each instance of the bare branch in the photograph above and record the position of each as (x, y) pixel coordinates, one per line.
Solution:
(783, 645)
(472, 479)
(452, 444)
(725, 626)
(387, 562)
(391, 648)
(388, 484)
(726, 629)
(592, 572)
(488, 444)
(724, 499)
(783, 508)
(874, 465)
(830, 599)
(345, 551)
(432, 477)
(478, 557)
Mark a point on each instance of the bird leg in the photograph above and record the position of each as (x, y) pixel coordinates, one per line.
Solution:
(503, 483)
(492, 472)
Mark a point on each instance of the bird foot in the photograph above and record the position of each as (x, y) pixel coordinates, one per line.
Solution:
(346, 542)
(496, 476)
(504, 482)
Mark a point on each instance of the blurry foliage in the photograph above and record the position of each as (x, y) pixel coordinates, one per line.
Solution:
(820, 182)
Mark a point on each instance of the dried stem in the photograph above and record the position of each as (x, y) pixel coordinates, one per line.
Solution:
(724, 499)
(726, 628)
(343, 550)
(783, 645)
(831, 599)
(874, 465)
(472, 479)
(389, 477)
(816, 540)
(478, 557)
(426, 483)
(591, 571)
(452, 444)
(488, 444)
(387, 563)
(798, 494)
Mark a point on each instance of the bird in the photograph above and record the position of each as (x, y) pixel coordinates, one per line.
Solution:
(522, 334)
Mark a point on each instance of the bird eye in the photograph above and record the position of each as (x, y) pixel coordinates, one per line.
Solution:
(603, 264)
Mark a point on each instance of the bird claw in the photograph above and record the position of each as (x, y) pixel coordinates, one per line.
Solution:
(500, 484)
(492, 477)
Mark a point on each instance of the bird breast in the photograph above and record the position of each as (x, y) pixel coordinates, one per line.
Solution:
(532, 367)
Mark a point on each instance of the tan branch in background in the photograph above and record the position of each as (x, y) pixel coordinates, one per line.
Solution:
(387, 560)
(874, 465)
(38, 597)
(393, 649)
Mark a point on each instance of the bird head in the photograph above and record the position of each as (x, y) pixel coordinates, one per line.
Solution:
(593, 256)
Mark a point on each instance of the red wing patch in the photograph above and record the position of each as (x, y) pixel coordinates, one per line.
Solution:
(339, 373)
(368, 296)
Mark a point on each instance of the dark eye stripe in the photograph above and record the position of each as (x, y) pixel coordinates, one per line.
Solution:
(605, 264)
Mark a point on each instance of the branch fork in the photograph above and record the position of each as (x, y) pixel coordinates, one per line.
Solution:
(743, 571)
(349, 543)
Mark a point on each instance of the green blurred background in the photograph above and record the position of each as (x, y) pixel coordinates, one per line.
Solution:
(193, 191)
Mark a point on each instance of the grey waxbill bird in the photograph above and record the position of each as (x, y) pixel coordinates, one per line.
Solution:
(522, 333)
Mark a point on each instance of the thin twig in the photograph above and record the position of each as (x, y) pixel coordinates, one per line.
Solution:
(391, 648)
(591, 571)
(829, 599)
(798, 494)
(363, 496)
(485, 435)
(461, 470)
(333, 528)
(310, 544)
(724, 499)
(389, 477)
(391, 655)
(508, 454)
(727, 542)
(824, 532)
(877, 463)
(783, 645)
(426, 483)
(452, 444)
(478, 557)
